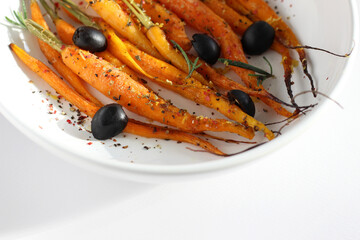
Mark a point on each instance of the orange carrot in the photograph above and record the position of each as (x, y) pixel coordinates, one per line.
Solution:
(133, 126)
(158, 39)
(136, 98)
(199, 16)
(54, 58)
(112, 13)
(173, 27)
(175, 80)
(117, 63)
(54, 81)
(240, 23)
(259, 9)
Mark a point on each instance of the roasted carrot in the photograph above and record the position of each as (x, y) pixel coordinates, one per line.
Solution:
(66, 31)
(117, 63)
(54, 81)
(158, 39)
(137, 98)
(175, 80)
(240, 23)
(189, 88)
(198, 15)
(133, 126)
(173, 27)
(134, 96)
(260, 10)
(55, 60)
(112, 13)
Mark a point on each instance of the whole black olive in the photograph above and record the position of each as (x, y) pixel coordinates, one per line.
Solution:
(243, 101)
(258, 38)
(108, 121)
(206, 48)
(90, 39)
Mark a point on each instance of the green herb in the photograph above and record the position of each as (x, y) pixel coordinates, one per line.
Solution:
(36, 29)
(192, 66)
(20, 17)
(263, 75)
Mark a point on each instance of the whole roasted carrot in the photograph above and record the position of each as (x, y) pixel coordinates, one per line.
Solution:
(188, 88)
(54, 58)
(198, 15)
(137, 98)
(175, 80)
(116, 84)
(259, 9)
(112, 13)
(240, 23)
(133, 126)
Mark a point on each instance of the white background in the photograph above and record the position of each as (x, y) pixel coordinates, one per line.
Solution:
(309, 189)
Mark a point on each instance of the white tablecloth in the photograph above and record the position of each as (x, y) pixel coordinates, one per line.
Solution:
(309, 189)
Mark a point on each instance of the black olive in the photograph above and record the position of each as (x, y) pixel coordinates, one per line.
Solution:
(258, 38)
(90, 39)
(108, 121)
(243, 101)
(206, 48)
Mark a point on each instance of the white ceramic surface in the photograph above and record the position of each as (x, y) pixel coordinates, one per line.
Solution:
(28, 108)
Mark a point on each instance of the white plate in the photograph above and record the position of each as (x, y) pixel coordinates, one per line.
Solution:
(26, 104)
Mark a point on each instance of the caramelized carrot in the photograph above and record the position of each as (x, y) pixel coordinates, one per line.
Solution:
(112, 13)
(136, 98)
(260, 10)
(175, 80)
(158, 39)
(117, 63)
(239, 24)
(55, 60)
(199, 16)
(173, 27)
(54, 81)
(66, 32)
(133, 126)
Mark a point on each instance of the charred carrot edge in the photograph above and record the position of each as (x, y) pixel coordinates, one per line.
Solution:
(157, 37)
(153, 131)
(259, 9)
(133, 126)
(239, 24)
(136, 98)
(173, 27)
(112, 13)
(55, 60)
(198, 15)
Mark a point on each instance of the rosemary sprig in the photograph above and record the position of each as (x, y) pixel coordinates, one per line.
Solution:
(19, 17)
(192, 66)
(22, 21)
(263, 75)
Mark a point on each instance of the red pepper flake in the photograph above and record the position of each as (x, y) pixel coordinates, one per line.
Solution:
(40, 127)
(69, 121)
(81, 3)
(56, 4)
(89, 143)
